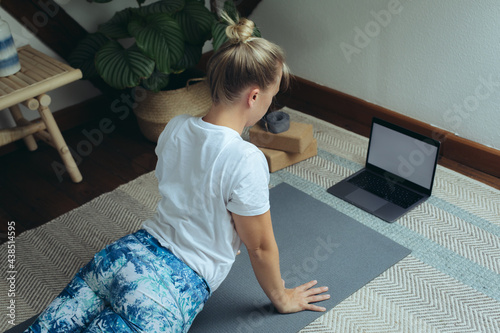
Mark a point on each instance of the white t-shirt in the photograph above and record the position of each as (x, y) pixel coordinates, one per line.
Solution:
(205, 172)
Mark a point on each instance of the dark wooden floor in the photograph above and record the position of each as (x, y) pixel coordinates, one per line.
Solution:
(31, 193)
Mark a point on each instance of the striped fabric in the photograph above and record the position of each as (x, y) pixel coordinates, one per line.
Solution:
(9, 61)
(450, 282)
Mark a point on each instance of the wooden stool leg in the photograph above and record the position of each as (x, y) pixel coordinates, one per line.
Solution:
(57, 139)
(30, 141)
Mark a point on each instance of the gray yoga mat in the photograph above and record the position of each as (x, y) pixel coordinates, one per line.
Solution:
(316, 242)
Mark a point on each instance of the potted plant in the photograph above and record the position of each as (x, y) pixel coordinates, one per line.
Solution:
(155, 48)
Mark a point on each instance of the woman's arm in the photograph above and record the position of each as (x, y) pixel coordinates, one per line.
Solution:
(257, 234)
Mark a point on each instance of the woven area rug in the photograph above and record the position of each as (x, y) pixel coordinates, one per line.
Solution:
(450, 282)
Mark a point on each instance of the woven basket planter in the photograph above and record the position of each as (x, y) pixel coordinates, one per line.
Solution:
(155, 110)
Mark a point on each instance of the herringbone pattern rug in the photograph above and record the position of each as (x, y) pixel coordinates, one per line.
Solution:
(450, 282)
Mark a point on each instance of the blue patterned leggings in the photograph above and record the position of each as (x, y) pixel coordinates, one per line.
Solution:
(133, 285)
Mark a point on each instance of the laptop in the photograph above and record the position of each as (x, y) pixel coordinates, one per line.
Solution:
(398, 175)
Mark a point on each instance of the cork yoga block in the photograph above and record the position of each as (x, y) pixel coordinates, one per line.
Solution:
(296, 140)
(278, 159)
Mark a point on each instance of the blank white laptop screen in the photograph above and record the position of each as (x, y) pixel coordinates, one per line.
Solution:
(402, 155)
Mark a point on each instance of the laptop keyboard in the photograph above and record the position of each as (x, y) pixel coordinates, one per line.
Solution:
(383, 188)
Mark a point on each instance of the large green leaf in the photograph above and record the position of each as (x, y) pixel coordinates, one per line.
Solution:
(231, 10)
(196, 22)
(117, 26)
(219, 34)
(159, 37)
(192, 56)
(157, 81)
(164, 6)
(139, 2)
(122, 68)
(256, 32)
(83, 54)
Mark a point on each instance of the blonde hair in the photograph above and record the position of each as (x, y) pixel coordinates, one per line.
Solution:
(244, 61)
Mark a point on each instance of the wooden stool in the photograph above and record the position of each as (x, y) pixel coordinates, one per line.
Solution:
(39, 74)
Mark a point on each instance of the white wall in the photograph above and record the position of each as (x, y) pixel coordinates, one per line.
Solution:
(435, 61)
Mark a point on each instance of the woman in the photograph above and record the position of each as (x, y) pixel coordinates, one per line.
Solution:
(214, 188)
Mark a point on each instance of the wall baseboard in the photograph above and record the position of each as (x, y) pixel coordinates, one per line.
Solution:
(330, 105)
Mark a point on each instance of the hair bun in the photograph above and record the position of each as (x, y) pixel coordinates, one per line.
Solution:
(240, 32)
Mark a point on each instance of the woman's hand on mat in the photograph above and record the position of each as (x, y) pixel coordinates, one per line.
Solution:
(302, 298)
(257, 234)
